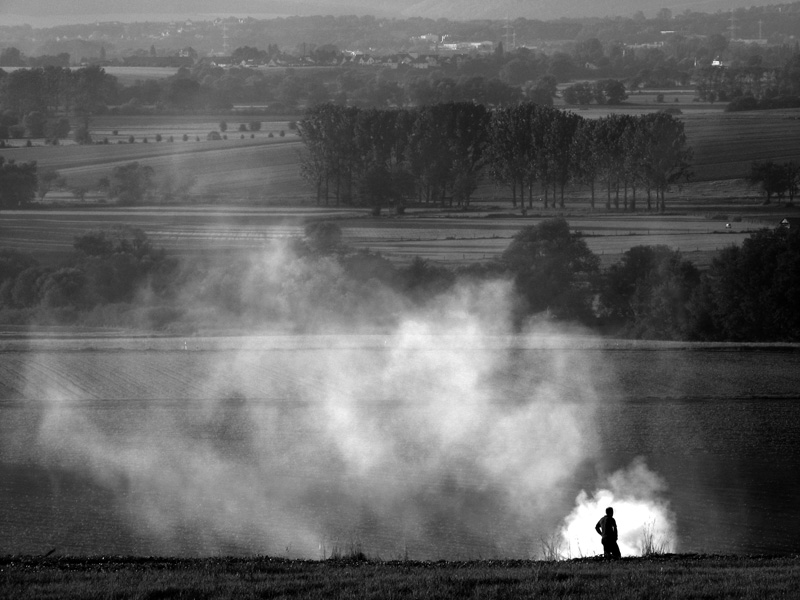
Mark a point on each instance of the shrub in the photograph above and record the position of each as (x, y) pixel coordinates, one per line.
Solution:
(742, 103)
(213, 136)
(255, 125)
(270, 134)
(159, 137)
(115, 132)
(242, 127)
(82, 135)
(131, 139)
(185, 137)
(282, 133)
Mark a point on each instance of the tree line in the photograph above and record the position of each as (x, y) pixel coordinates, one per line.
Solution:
(118, 277)
(442, 153)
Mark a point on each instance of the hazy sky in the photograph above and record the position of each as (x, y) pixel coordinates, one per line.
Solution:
(51, 12)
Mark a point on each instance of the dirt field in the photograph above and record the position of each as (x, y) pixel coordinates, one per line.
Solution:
(267, 169)
(442, 237)
(718, 422)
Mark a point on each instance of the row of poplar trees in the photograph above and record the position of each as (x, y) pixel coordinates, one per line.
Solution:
(442, 153)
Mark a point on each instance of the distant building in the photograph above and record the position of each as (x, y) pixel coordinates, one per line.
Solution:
(790, 223)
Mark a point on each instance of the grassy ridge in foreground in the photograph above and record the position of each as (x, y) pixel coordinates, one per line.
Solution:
(670, 576)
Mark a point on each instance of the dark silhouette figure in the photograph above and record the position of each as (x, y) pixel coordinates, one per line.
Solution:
(607, 528)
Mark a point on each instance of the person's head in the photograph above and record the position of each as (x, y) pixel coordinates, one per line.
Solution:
(610, 511)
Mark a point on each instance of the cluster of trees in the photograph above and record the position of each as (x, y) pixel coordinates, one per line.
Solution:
(108, 267)
(752, 86)
(776, 179)
(750, 293)
(12, 57)
(442, 153)
(128, 184)
(35, 102)
(603, 91)
(18, 183)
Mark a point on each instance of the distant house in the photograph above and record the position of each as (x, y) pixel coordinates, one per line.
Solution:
(790, 223)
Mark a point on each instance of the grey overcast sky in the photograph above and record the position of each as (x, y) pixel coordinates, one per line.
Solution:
(52, 12)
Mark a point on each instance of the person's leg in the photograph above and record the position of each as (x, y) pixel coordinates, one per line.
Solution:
(615, 550)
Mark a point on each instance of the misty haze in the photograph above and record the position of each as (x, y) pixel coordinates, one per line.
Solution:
(407, 281)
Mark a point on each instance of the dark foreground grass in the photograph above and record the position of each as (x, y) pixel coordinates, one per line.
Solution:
(672, 576)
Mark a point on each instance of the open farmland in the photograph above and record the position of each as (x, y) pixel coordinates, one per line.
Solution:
(443, 237)
(94, 430)
(231, 170)
(264, 169)
(726, 144)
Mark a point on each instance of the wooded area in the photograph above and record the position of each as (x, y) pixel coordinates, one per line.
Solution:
(441, 153)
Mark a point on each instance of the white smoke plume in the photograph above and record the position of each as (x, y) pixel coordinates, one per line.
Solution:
(644, 519)
(446, 437)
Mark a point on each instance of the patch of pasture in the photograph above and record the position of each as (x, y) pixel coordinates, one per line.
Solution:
(726, 144)
(235, 169)
(130, 75)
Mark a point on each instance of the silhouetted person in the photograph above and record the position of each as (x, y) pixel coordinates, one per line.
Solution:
(607, 528)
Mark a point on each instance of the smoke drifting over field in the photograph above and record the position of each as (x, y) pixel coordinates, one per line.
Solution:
(636, 493)
(445, 438)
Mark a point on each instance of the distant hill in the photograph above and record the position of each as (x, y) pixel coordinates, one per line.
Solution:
(76, 11)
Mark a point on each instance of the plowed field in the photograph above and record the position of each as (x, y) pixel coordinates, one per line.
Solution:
(719, 423)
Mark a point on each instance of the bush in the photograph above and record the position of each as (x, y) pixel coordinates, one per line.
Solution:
(82, 135)
(185, 137)
(282, 133)
(255, 125)
(159, 137)
(742, 103)
(242, 127)
(131, 139)
(213, 136)
(115, 132)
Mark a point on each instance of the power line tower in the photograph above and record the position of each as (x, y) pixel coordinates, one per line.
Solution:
(225, 45)
(510, 37)
(732, 28)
